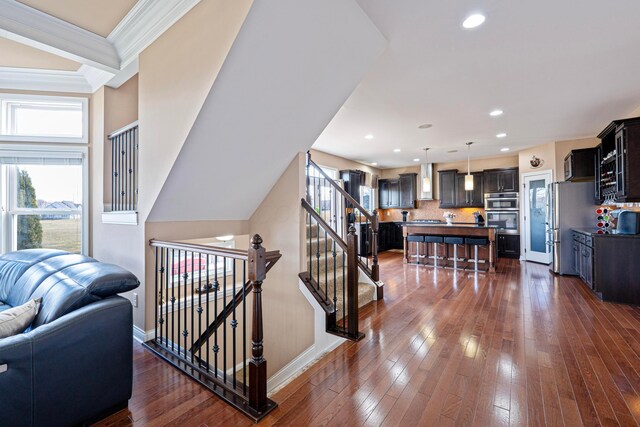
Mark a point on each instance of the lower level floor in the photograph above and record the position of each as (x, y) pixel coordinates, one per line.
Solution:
(444, 347)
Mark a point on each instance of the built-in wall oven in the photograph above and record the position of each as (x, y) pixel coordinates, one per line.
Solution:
(502, 211)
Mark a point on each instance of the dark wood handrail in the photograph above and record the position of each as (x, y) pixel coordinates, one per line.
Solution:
(322, 223)
(341, 190)
(242, 254)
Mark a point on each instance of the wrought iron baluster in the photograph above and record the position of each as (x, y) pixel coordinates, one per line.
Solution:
(226, 316)
(216, 287)
(234, 321)
(244, 327)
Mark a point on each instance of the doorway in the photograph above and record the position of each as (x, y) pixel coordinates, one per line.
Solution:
(534, 216)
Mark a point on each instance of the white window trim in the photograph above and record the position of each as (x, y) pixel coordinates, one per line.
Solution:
(6, 225)
(84, 139)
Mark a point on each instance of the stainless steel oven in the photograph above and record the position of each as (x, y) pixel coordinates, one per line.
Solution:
(501, 201)
(506, 221)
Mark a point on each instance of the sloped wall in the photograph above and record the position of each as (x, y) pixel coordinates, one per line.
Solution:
(290, 69)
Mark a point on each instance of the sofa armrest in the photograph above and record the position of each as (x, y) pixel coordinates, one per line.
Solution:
(15, 381)
(82, 364)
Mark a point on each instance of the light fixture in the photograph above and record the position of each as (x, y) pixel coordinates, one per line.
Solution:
(369, 136)
(425, 126)
(501, 135)
(374, 164)
(504, 149)
(225, 238)
(468, 179)
(416, 159)
(396, 150)
(426, 181)
(473, 21)
(496, 113)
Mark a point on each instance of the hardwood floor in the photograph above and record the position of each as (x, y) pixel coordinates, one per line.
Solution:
(520, 347)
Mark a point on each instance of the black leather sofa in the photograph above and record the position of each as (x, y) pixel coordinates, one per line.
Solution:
(74, 364)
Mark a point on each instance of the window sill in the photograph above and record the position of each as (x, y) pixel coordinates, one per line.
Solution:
(120, 218)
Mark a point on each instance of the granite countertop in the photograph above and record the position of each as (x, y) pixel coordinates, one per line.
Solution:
(444, 224)
(612, 233)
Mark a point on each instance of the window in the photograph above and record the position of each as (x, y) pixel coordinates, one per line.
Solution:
(43, 200)
(366, 198)
(35, 118)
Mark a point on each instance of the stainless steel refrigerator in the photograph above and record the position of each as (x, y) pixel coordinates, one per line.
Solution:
(569, 205)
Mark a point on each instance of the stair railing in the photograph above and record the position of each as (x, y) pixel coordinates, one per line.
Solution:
(124, 168)
(332, 274)
(340, 210)
(203, 326)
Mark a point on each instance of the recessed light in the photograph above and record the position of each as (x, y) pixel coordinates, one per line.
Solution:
(416, 160)
(396, 150)
(501, 135)
(504, 149)
(425, 126)
(473, 21)
(374, 164)
(452, 151)
(369, 136)
(496, 113)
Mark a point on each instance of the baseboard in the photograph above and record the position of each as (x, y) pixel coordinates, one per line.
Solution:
(142, 336)
(323, 343)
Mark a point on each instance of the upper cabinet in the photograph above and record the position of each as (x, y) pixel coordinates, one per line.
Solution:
(501, 180)
(399, 192)
(579, 165)
(447, 187)
(619, 176)
(352, 179)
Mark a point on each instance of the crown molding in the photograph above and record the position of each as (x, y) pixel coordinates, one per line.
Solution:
(107, 61)
(44, 80)
(144, 23)
(32, 27)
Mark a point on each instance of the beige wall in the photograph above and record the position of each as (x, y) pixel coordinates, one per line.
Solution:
(340, 163)
(280, 222)
(176, 74)
(112, 109)
(546, 152)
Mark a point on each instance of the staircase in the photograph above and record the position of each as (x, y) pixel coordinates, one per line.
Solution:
(340, 277)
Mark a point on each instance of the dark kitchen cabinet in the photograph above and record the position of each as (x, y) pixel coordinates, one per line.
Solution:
(408, 192)
(364, 239)
(469, 199)
(390, 236)
(619, 157)
(508, 245)
(583, 258)
(597, 181)
(352, 179)
(447, 188)
(398, 193)
(579, 165)
(500, 180)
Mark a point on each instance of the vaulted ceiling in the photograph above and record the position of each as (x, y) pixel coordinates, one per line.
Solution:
(78, 45)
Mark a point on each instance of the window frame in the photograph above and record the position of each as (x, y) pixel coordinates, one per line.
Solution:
(8, 209)
(6, 118)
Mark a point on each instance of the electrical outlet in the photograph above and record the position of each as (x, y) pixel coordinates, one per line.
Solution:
(135, 299)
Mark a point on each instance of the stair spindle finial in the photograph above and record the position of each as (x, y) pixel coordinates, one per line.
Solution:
(352, 229)
(256, 241)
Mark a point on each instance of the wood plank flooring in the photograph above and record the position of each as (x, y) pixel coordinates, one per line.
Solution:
(521, 347)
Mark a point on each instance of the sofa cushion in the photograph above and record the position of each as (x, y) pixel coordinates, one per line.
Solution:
(14, 264)
(78, 285)
(15, 320)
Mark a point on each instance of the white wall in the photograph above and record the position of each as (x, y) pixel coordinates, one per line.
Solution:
(290, 69)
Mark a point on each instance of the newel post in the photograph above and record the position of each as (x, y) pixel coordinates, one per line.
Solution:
(375, 268)
(257, 365)
(352, 282)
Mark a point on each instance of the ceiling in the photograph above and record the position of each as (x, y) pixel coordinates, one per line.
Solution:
(559, 70)
(19, 55)
(98, 16)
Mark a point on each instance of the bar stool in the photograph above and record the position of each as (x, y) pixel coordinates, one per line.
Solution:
(455, 241)
(475, 242)
(418, 240)
(435, 240)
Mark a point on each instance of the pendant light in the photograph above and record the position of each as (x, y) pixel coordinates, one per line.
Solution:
(468, 179)
(426, 181)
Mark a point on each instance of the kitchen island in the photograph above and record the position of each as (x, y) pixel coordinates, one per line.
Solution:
(455, 229)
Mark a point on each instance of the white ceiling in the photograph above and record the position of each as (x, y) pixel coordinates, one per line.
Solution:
(559, 70)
